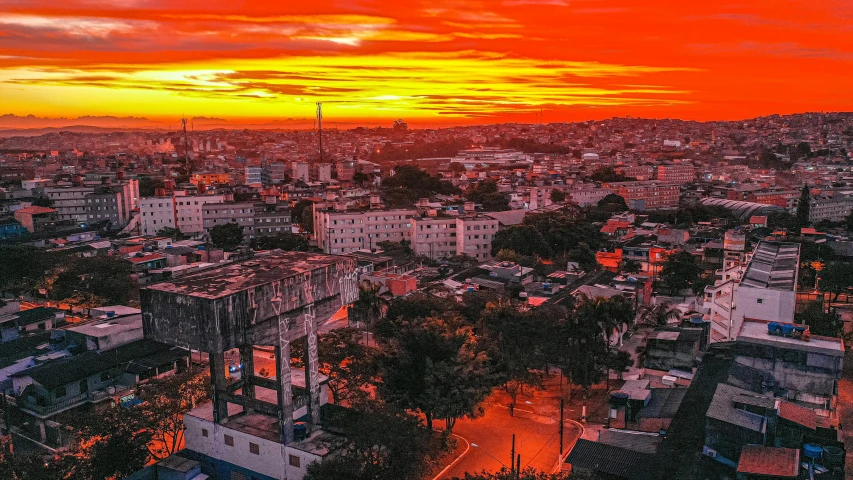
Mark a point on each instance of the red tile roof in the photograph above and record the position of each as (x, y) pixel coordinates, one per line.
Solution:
(35, 210)
(797, 414)
(773, 462)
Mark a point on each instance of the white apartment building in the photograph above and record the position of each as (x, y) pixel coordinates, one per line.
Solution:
(183, 212)
(254, 175)
(474, 236)
(587, 196)
(834, 209)
(70, 202)
(766, 290)
(241, 213)
(301, 171)
(441, 237)
(342, 232)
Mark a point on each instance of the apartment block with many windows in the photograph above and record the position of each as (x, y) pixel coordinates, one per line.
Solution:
(342, 232)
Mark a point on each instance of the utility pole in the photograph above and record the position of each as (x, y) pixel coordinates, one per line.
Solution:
(512, 457)
(562, 402)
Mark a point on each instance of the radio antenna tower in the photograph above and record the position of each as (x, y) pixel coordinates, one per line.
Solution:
(186, 145)
(320, 128)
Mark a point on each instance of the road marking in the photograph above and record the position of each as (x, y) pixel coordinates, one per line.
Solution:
(454, 462)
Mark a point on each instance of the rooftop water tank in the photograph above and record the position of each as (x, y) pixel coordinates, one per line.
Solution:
(787, 329)
(810, 450)
(772, 327)
(833, 456)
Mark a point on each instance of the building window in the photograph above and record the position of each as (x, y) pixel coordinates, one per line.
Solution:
(254, 448)
(294, 461)
(204, 432)
(760, 300)
(229, 440)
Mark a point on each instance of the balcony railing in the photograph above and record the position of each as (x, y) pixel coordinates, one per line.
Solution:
(65, 403)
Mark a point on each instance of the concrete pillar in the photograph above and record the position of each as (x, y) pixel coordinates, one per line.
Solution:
(42, 431)
(312, 374)
(247, 358)
(285, 388)
(218, 384)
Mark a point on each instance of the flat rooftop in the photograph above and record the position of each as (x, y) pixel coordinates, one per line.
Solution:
(773, 265)
(110, 327)
(755, 331)
(260, 270)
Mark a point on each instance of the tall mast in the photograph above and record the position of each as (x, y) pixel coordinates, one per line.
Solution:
(320, 128)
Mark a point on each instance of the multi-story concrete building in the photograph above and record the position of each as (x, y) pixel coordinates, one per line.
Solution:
(640, 172)
(256, 175)
(301, 171)
(209, 178)
(587, 196)
(70, 202)
(440, 237)
(341, 232)
(277, 172)
(272, 219)
(647, 195)
(676, 173)
(183, 212)
(834, 209)
(241, 213)
(434, 237)
(764, 290)
(106, 205)
(474, 235)
(274, 426)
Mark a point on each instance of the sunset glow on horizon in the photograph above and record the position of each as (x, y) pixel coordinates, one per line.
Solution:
(429, 62)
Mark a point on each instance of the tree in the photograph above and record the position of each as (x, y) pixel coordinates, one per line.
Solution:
(658, 315)
(369, 308)
(303, 215)
(521, 239)
(558, 196)
(630, 266)
(585, 361)
(457, 167)
(804, 206)
(613, 203)
(288, 242)
(619, 361)
(434, 365)
(679, 272)
(42, 202)
(505, 474)
(23, 268)
(92, 281)
(148, 186)
(584, 256)
(837, 277)
(608, 174)
(819, 321)
(360, 178)
(378, 444)
(348, 364)
(227, 237)
(173, 233)
(486, 193)
(164, 403)
(113, 443)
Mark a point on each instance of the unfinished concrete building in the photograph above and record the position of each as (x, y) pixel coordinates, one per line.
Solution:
(271, 300)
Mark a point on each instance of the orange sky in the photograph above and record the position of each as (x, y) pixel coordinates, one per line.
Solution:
(427, 61)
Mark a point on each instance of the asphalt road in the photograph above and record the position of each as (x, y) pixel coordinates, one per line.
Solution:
(535, 425)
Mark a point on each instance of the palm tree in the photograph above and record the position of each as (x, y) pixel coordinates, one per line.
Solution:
(369, 307)
(658, 315)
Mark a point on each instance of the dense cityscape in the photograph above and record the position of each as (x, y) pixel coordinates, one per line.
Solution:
(617, 299)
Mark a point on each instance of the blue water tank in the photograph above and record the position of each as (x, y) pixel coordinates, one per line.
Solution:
(799, 328)
(111, 314)
(772, 327)
(810, 450)
(201, 247)
(787, 329)
(300, 430)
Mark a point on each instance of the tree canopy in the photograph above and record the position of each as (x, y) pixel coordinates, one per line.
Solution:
(227, 237)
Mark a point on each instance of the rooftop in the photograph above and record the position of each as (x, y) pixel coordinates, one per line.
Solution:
(723, 408)
(755, 331)
(261, 270)
(773, 462)
(608, 459)
(773, 265)
(110, 327)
